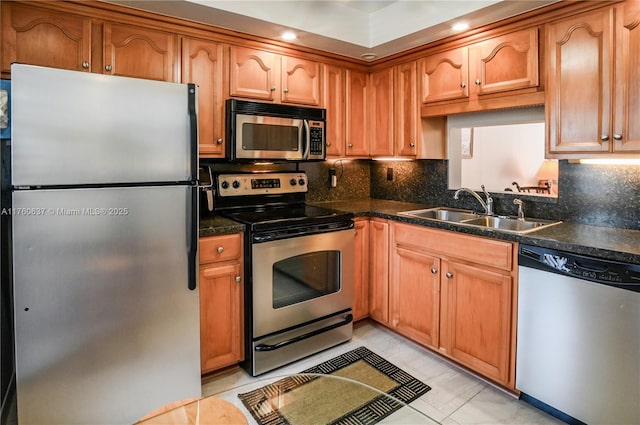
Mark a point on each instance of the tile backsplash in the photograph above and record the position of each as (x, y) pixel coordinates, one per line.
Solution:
(597, 195)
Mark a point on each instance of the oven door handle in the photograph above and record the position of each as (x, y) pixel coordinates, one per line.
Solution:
(271, 347)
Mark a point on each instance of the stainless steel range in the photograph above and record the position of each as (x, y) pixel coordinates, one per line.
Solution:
(298, 267)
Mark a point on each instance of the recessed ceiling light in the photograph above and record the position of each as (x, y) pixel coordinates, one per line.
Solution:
(288, 36)
(368, 56)
(460, 26)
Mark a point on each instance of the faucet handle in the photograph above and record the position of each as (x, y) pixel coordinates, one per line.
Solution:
(489, 200)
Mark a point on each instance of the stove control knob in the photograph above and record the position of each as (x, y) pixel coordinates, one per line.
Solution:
(301, 182)
(293, 182)
(224, 184)
(236, 184)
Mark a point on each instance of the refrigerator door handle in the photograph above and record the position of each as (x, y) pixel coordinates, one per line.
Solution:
(193, 123)
(193, 242)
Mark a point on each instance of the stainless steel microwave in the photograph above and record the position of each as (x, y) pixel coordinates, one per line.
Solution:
(259, 131)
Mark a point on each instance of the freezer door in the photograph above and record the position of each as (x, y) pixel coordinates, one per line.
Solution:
(107, 328)
(74, 128)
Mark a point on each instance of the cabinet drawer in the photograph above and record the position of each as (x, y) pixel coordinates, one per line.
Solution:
(483, 251)
(220, 248)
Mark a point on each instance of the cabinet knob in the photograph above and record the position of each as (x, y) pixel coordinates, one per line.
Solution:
(449, 275)
(463, 84)
(350, 145)
(108, 68)
(220, 250)
(286, 90)
(478, 82)
(434, 270)
(617, 136)
(85, 65)
(604, 137)
(412, 145)
(219, 141)
(238, 278)
(273, 88)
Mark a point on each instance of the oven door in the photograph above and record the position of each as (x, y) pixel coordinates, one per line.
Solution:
(301, 279)
(262, 137)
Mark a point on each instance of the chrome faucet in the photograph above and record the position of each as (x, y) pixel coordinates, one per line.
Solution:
(518, 202)
(488, 206)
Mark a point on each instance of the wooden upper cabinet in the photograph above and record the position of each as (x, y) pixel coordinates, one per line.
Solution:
(357, 111)
(507, 62)
(333, 99)
(300, 81)
(406, 116)
(626, 125)
(381, 113)
(139, 52)
(41, 37)
(257, 74)
(204, 63)
(253, 73)
(444, 76)
(578, 91)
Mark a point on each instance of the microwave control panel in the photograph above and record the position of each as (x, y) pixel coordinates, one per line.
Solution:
(316, 138)
(261, 184)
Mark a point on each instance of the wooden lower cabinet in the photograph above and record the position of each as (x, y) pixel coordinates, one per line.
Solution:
(361, 270)
(475, 323)
(379, 270)
(451, 292)
(221, 302)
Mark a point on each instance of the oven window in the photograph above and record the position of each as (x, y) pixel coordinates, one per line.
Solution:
(305, 277)
(269, 137)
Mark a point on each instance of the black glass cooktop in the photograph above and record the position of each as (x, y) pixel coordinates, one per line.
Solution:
(286, 215)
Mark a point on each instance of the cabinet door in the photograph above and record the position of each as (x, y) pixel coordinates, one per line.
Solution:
(444, 76)
(626, 125)
(381, 115)
(333, 98)
(253, 73)
(578, 91)
(203, 63)
(476, 318)
(300, 81)
(414, 295)
(406, 114)
(138, 52)
(221, 333)
(356, 114)
(506, 63)
(379, 270)
(40, 37)
(361, 275)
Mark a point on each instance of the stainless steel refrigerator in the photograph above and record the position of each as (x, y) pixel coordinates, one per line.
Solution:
(104, 243)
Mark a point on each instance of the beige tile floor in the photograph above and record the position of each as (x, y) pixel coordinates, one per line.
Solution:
(456, 398)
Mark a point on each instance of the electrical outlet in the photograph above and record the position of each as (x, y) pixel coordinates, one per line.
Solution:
(333, 180)
(389, 174)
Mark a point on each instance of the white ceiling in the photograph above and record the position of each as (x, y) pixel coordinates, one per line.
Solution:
(347, 27)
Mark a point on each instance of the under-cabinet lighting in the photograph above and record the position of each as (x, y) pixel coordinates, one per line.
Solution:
(379, 158)
(609, 161)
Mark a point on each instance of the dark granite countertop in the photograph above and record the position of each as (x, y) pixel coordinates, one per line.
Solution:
(217, 225)
(602, 242)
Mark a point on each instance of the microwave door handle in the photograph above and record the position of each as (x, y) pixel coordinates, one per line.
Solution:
(307, 140)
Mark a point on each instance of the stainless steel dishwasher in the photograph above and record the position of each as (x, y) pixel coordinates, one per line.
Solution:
(578, 349)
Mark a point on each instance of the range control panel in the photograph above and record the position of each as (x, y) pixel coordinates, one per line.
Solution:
(261, 184)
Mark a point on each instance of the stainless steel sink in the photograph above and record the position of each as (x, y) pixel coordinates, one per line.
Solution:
(509, 224)
(442, 214)
(470, 218)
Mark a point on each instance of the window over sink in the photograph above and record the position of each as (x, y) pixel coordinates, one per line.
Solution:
(504, 150)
